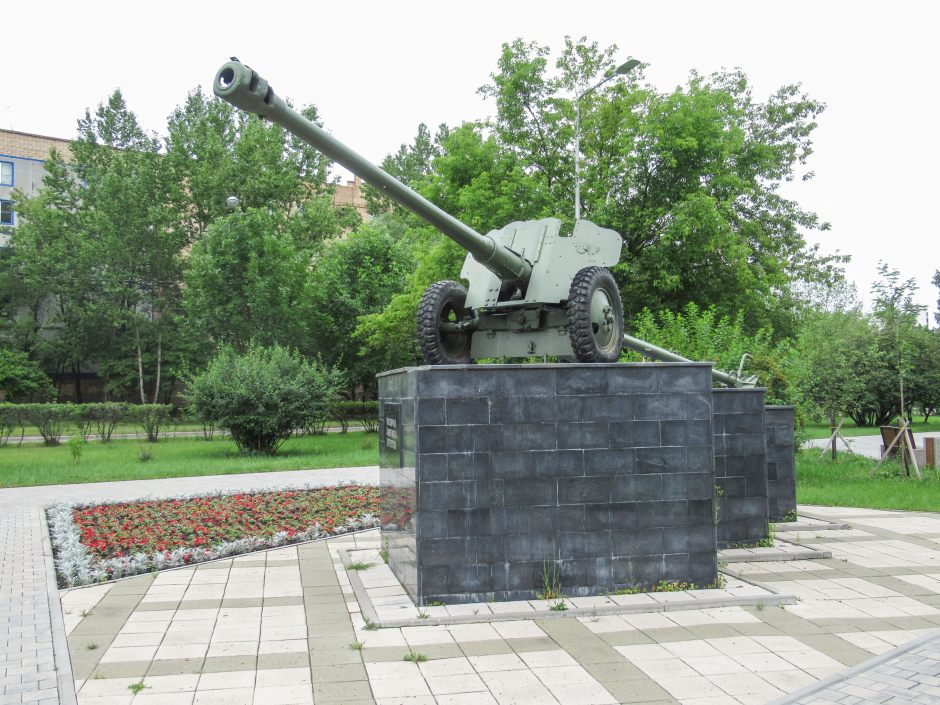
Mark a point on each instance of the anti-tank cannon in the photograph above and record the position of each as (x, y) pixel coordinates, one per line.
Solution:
(533, 290)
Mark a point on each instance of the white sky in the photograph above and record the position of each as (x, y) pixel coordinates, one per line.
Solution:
(377, 69)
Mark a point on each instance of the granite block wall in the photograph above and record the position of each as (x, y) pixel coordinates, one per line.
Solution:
(781, 462)
(740, 465)
(492, 474)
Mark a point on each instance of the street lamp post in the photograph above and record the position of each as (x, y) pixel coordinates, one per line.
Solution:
(619, 71)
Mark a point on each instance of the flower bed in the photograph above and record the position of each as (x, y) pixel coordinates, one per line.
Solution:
(93, 543)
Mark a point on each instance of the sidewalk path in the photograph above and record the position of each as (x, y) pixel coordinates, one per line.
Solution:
(34, 664)
(869, 446)
(285, 627)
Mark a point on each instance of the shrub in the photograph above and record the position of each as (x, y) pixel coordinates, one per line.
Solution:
(22, 380)
(11, 416)
(50, 419)
(261, 396)
(103, 417)
(153, 417)
(365, 413)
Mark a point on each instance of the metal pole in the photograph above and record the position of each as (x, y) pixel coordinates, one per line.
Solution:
(577, 154)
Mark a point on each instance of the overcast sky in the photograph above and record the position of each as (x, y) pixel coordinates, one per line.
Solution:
(377, 69)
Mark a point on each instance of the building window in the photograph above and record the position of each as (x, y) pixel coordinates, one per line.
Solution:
(6, 173)
(6, 212)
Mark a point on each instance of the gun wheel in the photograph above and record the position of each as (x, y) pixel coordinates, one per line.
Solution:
(595, 316)
(442, 308)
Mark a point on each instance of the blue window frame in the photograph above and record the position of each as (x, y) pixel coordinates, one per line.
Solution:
(6, 212)
(6, 173)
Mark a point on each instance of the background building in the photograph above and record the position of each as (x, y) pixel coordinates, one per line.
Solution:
(22, 166)
(23, 156)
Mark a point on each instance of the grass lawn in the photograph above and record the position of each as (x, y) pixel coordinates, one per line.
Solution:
(850, 429)
(178, 457)
(851, 481)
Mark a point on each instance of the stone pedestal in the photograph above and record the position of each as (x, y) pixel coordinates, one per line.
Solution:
(740, 465)
(495, 478)
(781, 462)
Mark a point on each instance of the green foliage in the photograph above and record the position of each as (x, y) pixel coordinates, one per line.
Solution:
(551, 582)
(709, 336)
(262, 395)
(898, 315)
(152, 417)
(76, 445)
(354, 277)
(365, 413)
(22, 379)
(50, 419)
(689, 178)
(248, 281)
(833, 363)
(104, 417)
(11, 417)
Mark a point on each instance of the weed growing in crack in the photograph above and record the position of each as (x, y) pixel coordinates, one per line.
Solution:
(551, 582)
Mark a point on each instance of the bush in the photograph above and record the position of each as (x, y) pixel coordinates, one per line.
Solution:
(11, 416)
(366, 413)
(22, 380)
(261, 396)
(153, 417)
(50, 419)
(106, 417)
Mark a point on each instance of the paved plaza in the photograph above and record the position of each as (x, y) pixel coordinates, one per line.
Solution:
(289, 625)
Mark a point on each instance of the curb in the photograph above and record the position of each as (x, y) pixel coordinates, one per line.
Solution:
(65, 679)
(855, 670)
(368, 610)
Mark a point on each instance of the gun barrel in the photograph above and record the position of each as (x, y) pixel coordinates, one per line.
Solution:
(245, 89)
(649, 350)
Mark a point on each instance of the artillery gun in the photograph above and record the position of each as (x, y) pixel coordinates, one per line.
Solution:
(533, 290)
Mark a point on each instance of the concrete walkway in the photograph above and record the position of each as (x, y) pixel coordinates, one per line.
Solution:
(284, 627)
(34, 664)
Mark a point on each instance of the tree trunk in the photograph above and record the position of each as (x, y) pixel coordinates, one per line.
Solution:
(77, 376)
(156, 385)
(140, 367)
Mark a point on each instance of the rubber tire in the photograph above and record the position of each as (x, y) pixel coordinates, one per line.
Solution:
(580, 328)
(433, 302)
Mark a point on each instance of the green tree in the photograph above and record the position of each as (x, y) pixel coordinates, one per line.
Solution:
(936, 283)
(897, 313)
(50, 279)
(22, 379)
(248, 280)
(690, 178)
(126, 197)
(353, 277)
(827, 365)
(217, 152)
(924, 388)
